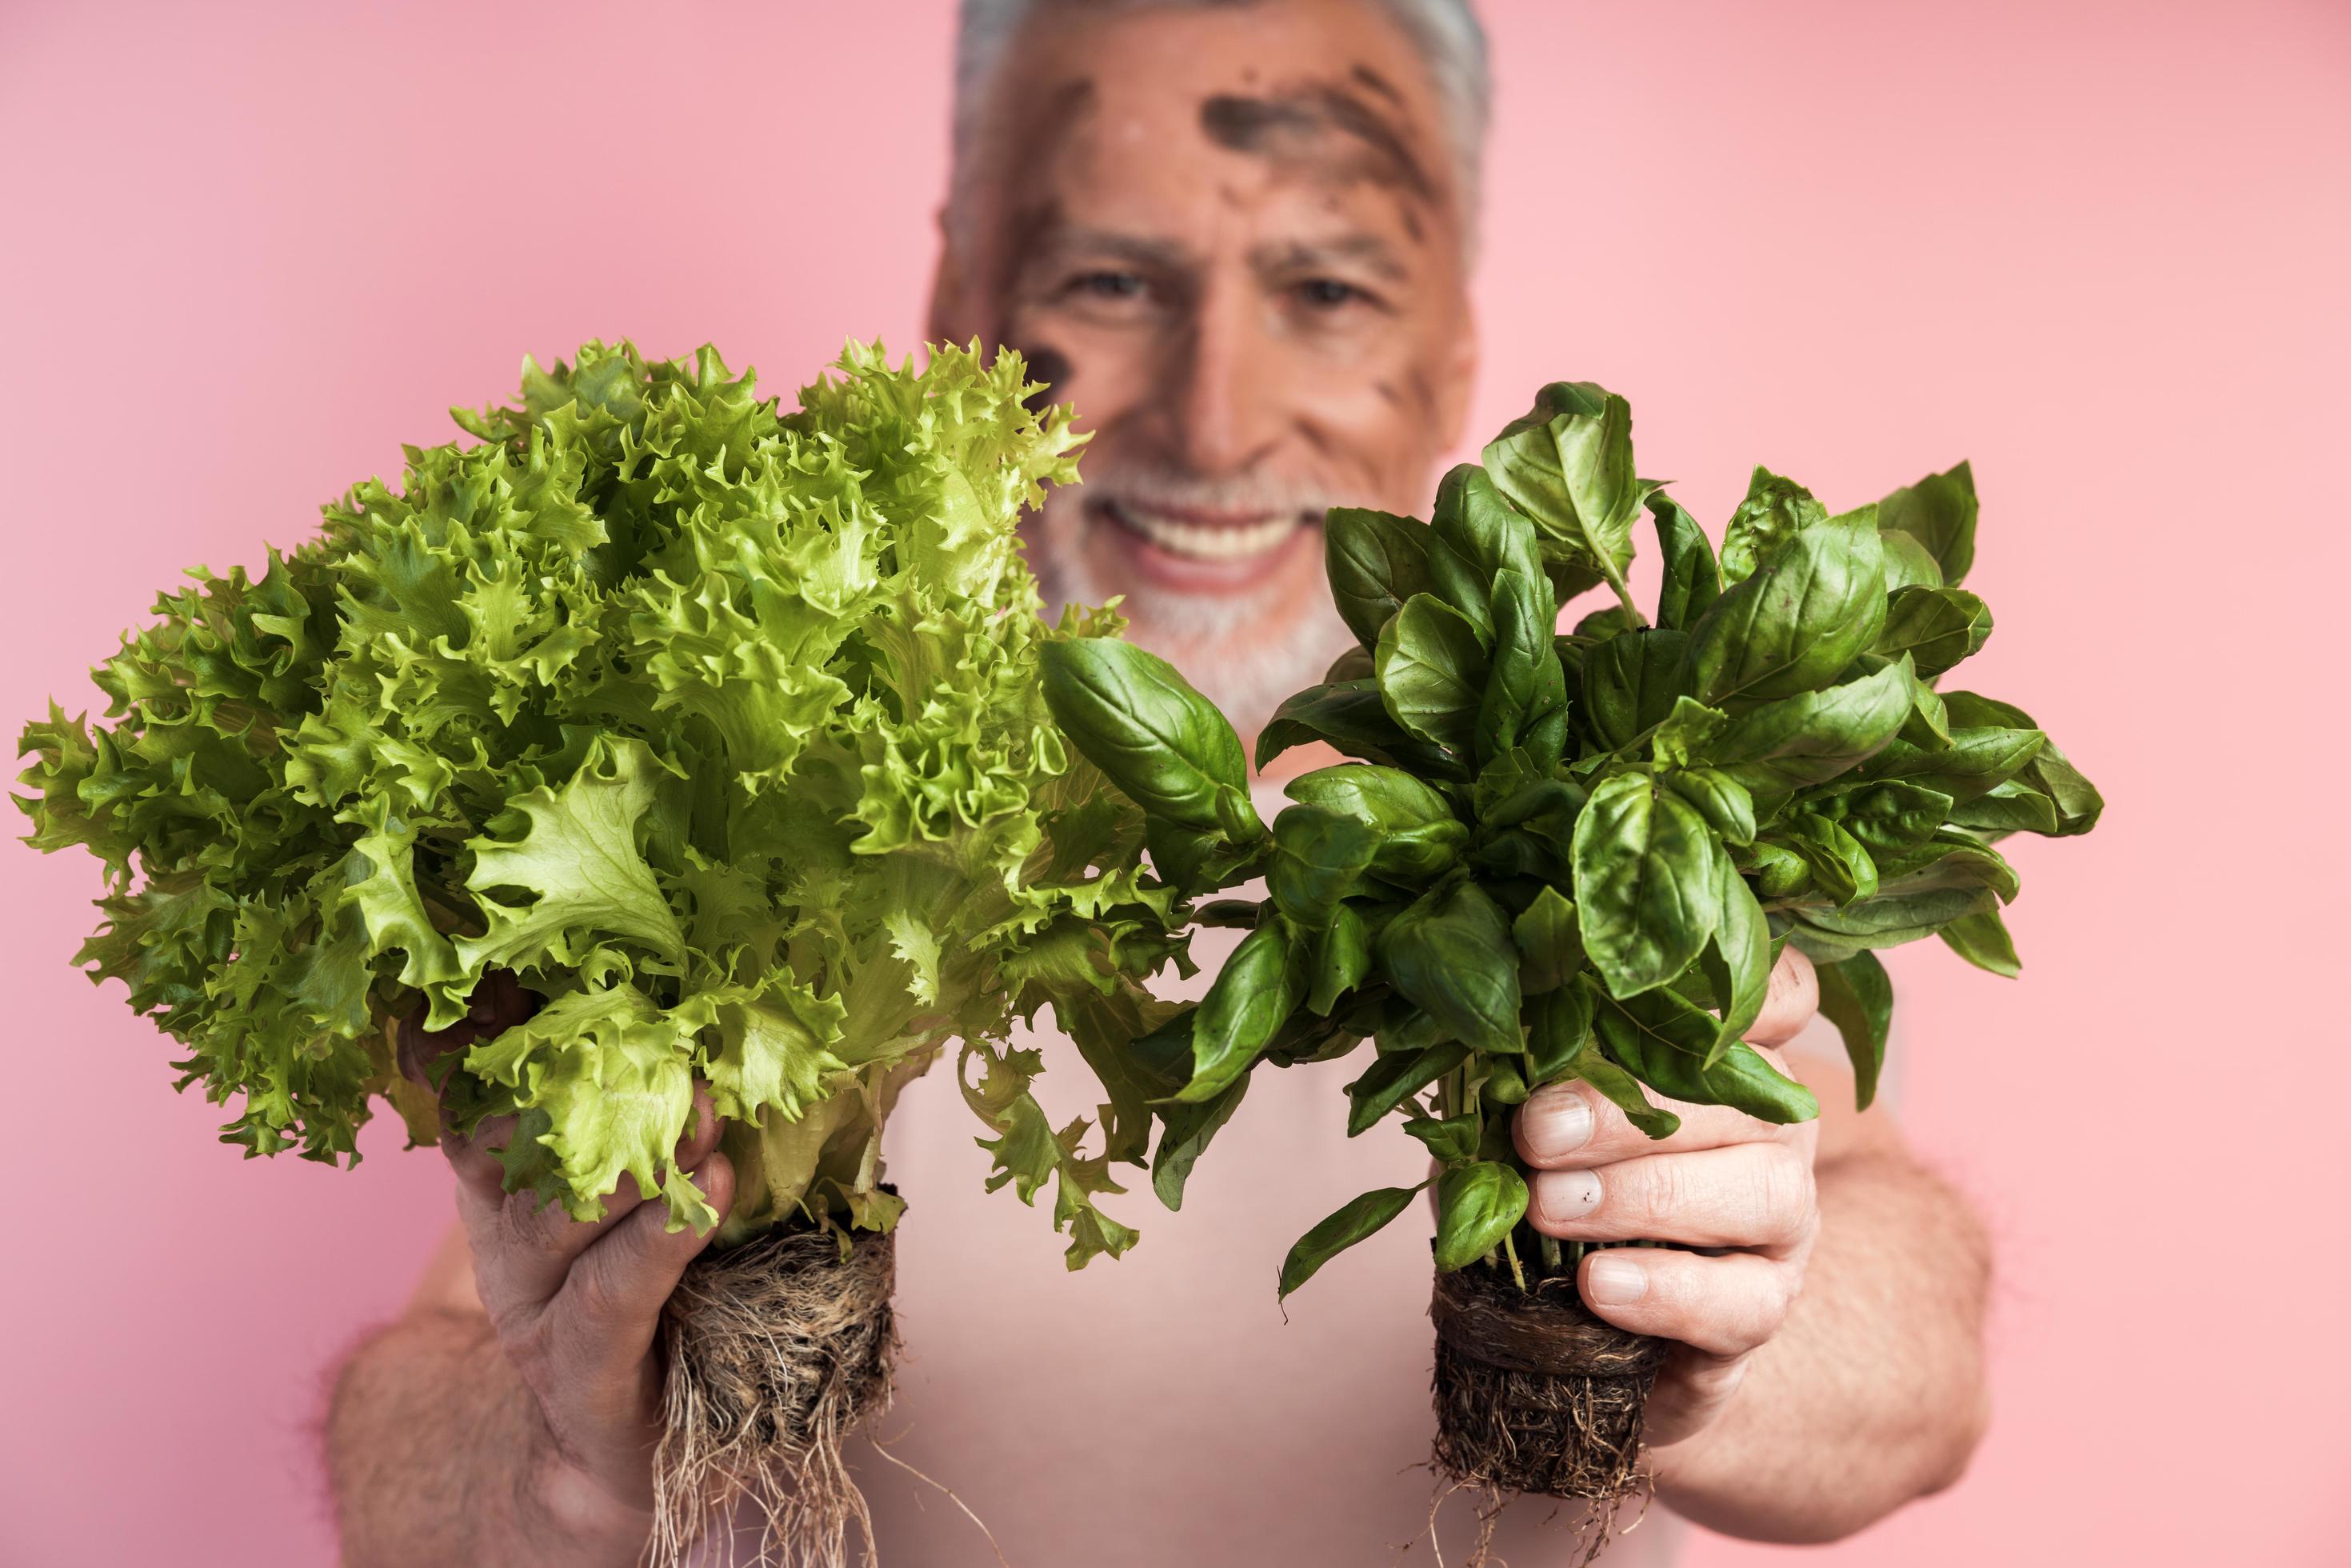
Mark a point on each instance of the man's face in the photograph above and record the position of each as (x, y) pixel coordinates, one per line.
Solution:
(1229, 236)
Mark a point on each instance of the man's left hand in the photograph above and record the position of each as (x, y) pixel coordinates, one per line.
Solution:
(1723, 1180)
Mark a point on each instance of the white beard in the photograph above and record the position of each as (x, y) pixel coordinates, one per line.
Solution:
(1216, 639)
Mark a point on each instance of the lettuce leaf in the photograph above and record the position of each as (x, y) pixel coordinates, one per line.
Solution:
(716, 725)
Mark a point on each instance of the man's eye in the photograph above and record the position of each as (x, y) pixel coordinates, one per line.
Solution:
(1328, 293)
(1108, 286)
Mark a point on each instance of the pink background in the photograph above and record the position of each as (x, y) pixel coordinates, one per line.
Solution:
(2100, 249)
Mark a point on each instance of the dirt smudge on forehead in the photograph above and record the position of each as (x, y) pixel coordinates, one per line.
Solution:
(1320, 132)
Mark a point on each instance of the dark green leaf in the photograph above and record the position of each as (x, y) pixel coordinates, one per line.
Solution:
(1376, 560)
(1774, 510)
(1814, 602)
(1737, 962)
(1940, 512)
(1432, 671)
(1692, 579)
(1938, 627)
(1559, 1023)
(1477, 1204)
(1662, 1041)
(1907, 562)
(1550, 948)
(1887, 921)
(1841, 867)
(1644, 882)
(1504, 1085)
(1890, 820)
(1395, 1076)
(1474, 536)
(1451, 955)
(1342, 958)
(1360, 1217)
(2012, 806)
(1319, 858)
(1525, 700)
(1630, 684)
(1982, 939)
(1812, 737)
(1721, 799)
(1246, 1003)
(1687, 735)
(1188, 1131)
(2074, 801)
(1857, 997)
(1452, 1140)
(1975, 762)
(1353, 716)
(1139, 721)
(1567, 464)
(1385, 797)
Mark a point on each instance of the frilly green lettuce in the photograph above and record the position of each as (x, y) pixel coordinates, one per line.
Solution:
(718, 726)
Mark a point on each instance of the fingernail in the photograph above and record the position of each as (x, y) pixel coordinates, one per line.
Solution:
(1566, 1195)
(1558, 1121)
(1617, 1281)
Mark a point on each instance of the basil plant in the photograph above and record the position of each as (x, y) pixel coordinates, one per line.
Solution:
(1577, 856)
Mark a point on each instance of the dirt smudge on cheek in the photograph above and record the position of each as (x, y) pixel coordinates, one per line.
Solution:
(1047, 365)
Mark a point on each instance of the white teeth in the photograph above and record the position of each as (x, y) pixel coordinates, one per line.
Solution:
(1225, 542)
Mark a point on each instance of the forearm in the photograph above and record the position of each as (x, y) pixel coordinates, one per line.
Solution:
(437, 1453)
(1872, 1392)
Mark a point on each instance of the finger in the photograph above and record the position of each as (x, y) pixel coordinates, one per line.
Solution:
(1690, 1394)
(1724, 1306)
(610, 1302)
(702, 1130)
(1789, 1005)
(1742, 1195)
(1572, 1126)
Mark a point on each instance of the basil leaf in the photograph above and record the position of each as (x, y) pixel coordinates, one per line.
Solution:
(1631, 684)
(1559, 1023)
(1974, 762)
(1841, 867)
(1816, 600)
(1662, 1041)
(1342, 958)
(1394, 1077)
(1451, 955)
(1774, 510)
(1353, 716)
(1888, 819)
(1475, 536)
(1858, 997)
(1503, 1084)
(1187, 1130)
(1721, 799)
(1376, 561)
(2012, 806)
(1737, 962)
(1907, 562)
(1812, 737)
(1452, 1140)
(1249, 1001)
(1940, 512)
(1982, 939)
(1358, 1219)
(1432, 671)
(1644, 882)
(1567, 464)
(2074, 802)
(1692, 580)
(1890, 920)
(1525, 700)
(1622, 1090)
(1687, 734)
(1938, 627)
(1477, 1204)
(1551, 948)
(1319, 858)
(1948, 861)
(1385, 797)
(1163, 744)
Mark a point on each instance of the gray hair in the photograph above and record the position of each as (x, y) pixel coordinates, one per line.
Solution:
(1445, 33)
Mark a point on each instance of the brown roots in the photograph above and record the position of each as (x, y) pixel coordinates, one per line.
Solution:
(1536, 1395)
(777, 1349)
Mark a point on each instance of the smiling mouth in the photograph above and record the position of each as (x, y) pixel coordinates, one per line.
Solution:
(1199, 535)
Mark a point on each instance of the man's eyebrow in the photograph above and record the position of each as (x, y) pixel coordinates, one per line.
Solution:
(1369, 249)
(1145, 250)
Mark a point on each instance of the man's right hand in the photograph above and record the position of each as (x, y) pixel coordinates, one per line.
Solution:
(576, 1305)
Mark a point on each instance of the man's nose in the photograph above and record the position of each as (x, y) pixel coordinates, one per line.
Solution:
(1226, 409)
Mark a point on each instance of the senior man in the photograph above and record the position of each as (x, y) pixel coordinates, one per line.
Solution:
(1237, 237)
